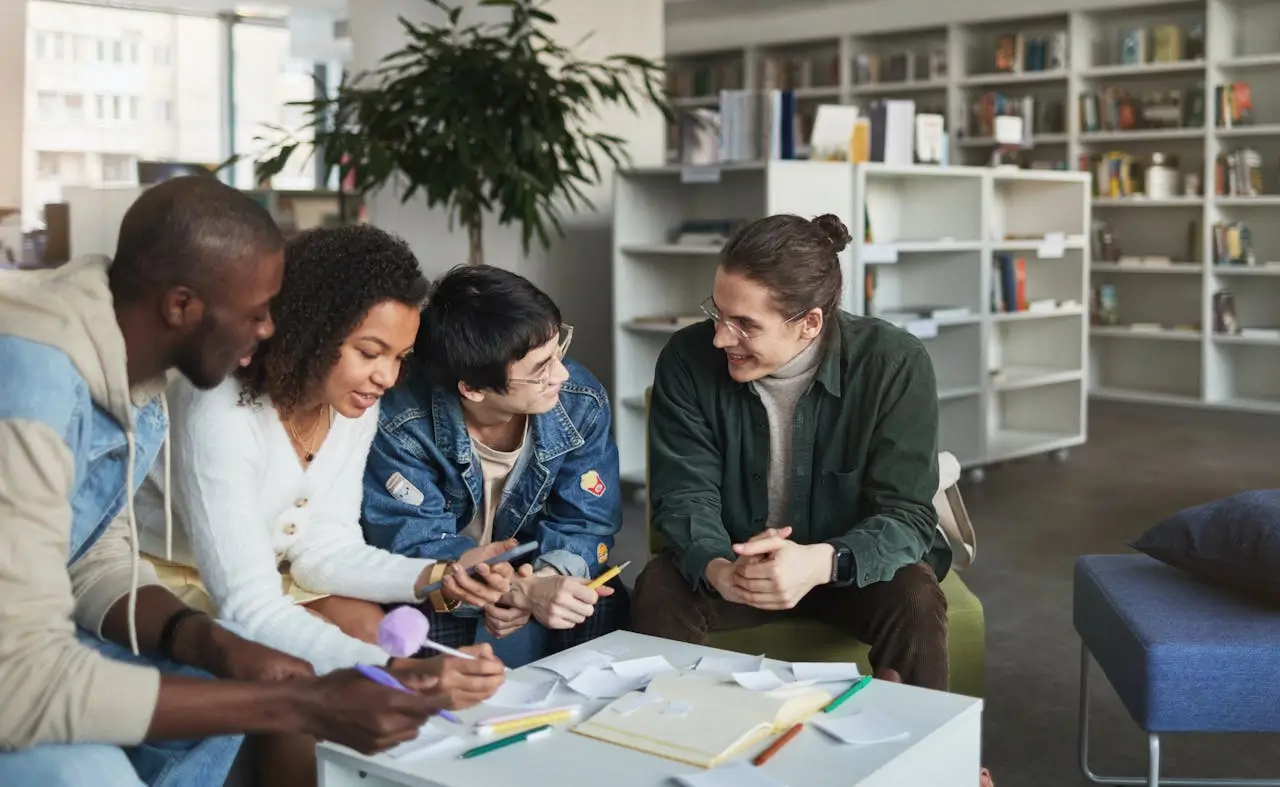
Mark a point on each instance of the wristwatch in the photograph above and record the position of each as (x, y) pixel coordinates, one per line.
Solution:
(842, 565)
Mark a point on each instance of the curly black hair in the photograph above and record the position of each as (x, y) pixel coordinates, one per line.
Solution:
(333, 276)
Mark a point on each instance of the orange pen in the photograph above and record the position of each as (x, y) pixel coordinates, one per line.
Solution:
(774, 747)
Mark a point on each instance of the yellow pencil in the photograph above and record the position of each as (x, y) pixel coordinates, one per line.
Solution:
(528, 722)
(608, 575)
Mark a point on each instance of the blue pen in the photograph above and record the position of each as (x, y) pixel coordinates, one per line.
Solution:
(380, 675)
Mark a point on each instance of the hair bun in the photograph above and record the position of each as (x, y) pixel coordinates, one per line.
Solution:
(834, 229)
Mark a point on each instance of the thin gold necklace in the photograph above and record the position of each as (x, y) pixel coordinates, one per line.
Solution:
(305, 445)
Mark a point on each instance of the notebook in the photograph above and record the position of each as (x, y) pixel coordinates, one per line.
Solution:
(700, 718)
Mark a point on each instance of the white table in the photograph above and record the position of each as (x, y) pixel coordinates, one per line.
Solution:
(943, 749)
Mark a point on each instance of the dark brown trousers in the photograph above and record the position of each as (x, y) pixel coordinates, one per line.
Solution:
(904, 620)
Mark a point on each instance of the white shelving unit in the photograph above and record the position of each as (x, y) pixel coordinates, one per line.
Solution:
(1010, 384)
(1165, 350)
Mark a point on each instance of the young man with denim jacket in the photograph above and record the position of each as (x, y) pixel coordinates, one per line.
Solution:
(495, 438)
(105, 675)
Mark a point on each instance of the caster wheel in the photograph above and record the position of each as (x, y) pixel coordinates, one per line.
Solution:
(977, 475)
(1060, 455)
(640, 497)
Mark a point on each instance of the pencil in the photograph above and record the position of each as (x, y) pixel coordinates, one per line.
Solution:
(608, 575)
(774, 747)
(849, 692)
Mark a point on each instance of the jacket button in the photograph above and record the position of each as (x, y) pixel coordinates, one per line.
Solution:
(300, 502)
(290, 529)
(755, 476)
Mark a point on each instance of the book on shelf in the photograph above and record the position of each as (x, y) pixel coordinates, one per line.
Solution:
(1104, 308)
(747, 125)
(1169, 43)
(902, 67)
(699, 718)
(1019, 52)
(1233, 244)
(1008, 284)
(1114, 108)
(789, 72)
(1238, 173)
(1224, 313)
(1234, 104)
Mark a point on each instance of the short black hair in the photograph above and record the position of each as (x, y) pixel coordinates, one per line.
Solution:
(188, 231)
(478, 320)
(333, 276)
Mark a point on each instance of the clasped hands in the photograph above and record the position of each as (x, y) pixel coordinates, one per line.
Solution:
(510, 598)
(771, 571)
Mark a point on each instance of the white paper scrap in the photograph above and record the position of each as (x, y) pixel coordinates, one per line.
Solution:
(517, 694)
(825, 671)
(645, 667)
(429, 740)
(570, 664)
(731, 664)
(863, 727)
(761, 680)
(738, 773)
(1053, 246)
(602, 683)
(677, 708)
(634, 702)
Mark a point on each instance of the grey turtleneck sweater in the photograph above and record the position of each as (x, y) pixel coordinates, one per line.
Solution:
(780, 394)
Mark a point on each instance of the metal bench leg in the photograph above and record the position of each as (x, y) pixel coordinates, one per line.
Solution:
(1153, 751)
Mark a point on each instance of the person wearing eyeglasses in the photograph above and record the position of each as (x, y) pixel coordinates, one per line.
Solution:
(495, 435)
(793, 461)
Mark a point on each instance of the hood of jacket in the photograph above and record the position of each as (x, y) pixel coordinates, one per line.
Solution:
(70, 307)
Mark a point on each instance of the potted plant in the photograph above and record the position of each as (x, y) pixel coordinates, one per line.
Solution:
(477, 118)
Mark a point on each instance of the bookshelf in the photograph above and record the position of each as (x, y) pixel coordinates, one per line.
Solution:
(1011, 382)
(1107, 88)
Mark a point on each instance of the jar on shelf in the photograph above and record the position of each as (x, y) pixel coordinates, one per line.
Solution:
(1161, 177)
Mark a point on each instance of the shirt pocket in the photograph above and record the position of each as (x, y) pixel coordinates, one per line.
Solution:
(838, 501)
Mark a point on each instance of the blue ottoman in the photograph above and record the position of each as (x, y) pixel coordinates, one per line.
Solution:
(1183, 655)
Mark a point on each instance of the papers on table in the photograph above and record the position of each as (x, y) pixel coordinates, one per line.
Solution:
(430, 740)
(619, 678)
(731, 664)
(629, 705)
(517, 694)
(571, 663)
(825, 671)
(864, 727)
(767, 680)
(739, 773)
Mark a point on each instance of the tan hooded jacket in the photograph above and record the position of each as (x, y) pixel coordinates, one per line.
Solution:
(52, 688)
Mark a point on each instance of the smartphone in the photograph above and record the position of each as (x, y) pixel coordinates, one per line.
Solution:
(510, 556)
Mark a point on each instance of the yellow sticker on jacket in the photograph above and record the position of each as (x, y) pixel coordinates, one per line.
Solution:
(602, 553)
(592, 483)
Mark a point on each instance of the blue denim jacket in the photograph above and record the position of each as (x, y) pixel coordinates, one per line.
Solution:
(42, 385)
(564, 492)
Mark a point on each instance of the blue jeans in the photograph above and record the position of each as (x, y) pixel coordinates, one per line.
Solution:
(200, 763)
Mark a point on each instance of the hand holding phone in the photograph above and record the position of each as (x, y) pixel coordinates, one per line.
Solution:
(506, 557)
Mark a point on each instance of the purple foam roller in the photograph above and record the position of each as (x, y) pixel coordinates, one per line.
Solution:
(403, 631)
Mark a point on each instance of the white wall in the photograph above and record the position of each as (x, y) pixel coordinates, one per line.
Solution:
(699, 31)
(576, 272)
(13, 51)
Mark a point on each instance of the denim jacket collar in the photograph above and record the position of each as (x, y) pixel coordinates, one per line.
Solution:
(554, 434)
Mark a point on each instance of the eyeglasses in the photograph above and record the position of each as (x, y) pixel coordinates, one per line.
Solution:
(566, 336)
(709, 308)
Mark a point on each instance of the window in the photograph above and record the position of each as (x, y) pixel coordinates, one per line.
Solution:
(102, 51)
(118, 168)
(42, 46)
(133, 53)
(162, 55)
(117, 52)
(164, 111)
(115, 108)
(133, 108)
(75, 106)
(100, 110)
(267, 78)
(59, 46)
(47, 105)
(47, 165)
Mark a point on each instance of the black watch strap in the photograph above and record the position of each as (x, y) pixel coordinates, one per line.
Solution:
(841, 565)
(170, 631)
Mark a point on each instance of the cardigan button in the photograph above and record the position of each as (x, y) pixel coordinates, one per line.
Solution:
(300, 502)
(290, 529)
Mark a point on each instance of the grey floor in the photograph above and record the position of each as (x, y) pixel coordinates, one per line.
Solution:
(1033, 517)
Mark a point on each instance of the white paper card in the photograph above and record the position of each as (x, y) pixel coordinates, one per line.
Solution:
(642, 668)
(602, 683)
(429, 740)
(634, 702)
(731, 664)
(863, 727)
(1053, 246)
(923, 329)
(677, 708)
(570, 664)
(762, 680)
(700, 174)
(825, 671)
(739, 773)
(516, 694)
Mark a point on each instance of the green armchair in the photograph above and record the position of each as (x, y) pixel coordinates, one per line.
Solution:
(809, 640)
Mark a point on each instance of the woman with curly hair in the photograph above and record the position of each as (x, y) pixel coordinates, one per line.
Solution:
(267, 471)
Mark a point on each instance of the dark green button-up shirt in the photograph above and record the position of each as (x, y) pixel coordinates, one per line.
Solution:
(864, 452)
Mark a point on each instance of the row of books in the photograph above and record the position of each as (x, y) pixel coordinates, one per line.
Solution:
(1168, 43)
(905, 66)
(1238, 173)
(1039, 116)
(1020, 52)
(1116, 109)
(748, 125)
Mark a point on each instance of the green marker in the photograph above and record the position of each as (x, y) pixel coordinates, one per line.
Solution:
(849, 692)
(533, 734)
